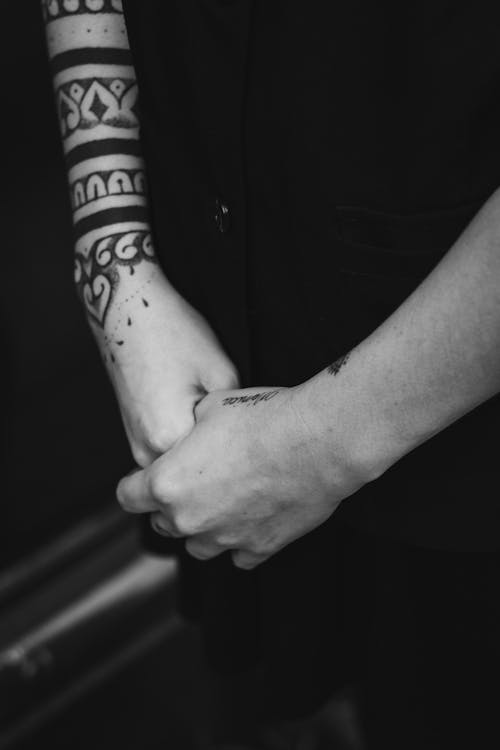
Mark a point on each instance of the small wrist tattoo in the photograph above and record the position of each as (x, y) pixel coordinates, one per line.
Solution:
(338, 364)
(250, 400)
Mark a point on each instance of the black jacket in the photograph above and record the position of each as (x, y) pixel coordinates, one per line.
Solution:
(309, 163)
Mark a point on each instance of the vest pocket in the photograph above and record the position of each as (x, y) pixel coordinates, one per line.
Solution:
(379, 243)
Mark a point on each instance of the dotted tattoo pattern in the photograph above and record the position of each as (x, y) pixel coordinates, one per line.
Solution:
(123, 318)
(96, 274)
(54, 9)
(249, 400)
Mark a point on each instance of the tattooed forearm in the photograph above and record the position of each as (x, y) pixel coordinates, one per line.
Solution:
(334, 368)
(112, 185)
(96, 97)
(106, 103)
(250, 400)
(101, 262)
(74, 26)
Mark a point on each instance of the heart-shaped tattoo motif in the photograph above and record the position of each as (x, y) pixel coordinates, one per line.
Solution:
(97, 297)
(97, 268)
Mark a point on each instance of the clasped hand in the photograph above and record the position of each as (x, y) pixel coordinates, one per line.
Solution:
(252, 476)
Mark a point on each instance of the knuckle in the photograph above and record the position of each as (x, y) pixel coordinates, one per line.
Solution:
(122, 496)
(250, 557)
(184, 525)
(181, 529)
(141, 455)
(265, 546)
(265, 549)
(156, 485)
(242, 560)
(159, 442)
(255, 549)
(162, 437)
(170, 498)
(224, 377)
(227, 541)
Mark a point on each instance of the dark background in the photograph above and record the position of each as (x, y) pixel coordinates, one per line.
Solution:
(64, 450)
(63, 445)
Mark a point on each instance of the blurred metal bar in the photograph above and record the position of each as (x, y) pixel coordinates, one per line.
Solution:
(110, 600)
(26, 575)
(77, 610)
(145, 642)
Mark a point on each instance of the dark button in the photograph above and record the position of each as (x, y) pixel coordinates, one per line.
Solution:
(221, 216)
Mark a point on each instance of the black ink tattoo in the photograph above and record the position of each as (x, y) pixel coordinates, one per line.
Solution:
(108, 217)
(106, 147)
(250, 400)
(103, 184)
(338, 364)
(96, 271)
(97, 105)
(90, 56)
(85, 103)
(54, 9)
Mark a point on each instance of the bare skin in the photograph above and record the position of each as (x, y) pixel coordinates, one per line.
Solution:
(161, 355)
(257, 473)
(230, 471)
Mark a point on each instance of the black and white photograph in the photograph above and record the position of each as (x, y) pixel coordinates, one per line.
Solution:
(250, 345)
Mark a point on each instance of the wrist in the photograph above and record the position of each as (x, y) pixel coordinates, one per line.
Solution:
(349, 423)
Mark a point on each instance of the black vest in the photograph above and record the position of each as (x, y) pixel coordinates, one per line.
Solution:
(309, 163)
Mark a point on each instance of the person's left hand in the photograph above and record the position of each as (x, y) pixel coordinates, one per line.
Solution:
(251, 477)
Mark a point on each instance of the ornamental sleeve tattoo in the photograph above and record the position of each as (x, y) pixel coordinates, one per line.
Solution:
(96, 98)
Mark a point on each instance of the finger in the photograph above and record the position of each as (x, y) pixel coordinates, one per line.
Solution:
(247, 560)
(160, 525)
(133, 493)
(205, 403)
(202, 548)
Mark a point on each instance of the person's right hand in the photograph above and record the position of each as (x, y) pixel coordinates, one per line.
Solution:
(169, 360)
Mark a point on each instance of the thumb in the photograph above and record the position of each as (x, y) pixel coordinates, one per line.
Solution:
(207, 402)
(134, 492)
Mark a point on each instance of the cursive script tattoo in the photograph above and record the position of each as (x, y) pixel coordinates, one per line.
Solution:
(250, 400)
(338, 364)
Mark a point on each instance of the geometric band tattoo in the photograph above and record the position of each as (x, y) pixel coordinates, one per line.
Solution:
(105, 147)
(97, 270)
(102, 184)
(84, 103)
(84, 228)
(97, 105)
(53, 9)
